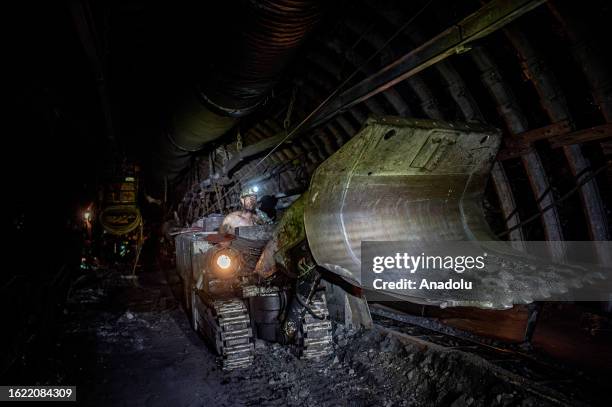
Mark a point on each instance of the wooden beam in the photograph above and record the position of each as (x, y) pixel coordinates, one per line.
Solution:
(558, 134)
(546, 132)
(583, 136)
(513, 147)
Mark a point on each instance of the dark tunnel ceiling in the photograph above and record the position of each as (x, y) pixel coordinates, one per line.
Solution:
(521, 78)
(546, 67)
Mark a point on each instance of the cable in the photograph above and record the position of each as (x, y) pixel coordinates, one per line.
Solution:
(122, 210)
(307, 308)
(557, 202)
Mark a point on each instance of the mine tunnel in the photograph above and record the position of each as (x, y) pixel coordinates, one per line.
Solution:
(309, 203)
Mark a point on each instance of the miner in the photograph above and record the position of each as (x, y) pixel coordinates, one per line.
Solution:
(248, 215)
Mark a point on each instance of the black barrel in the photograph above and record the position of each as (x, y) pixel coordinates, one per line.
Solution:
(265, 313)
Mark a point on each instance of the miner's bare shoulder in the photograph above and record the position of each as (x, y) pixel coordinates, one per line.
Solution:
(238, 219)
(230, 222)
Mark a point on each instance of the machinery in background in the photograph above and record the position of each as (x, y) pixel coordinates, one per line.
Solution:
(231, 306)
(120, 218)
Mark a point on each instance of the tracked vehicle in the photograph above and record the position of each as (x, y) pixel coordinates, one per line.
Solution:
(418, 182)
(231, 306)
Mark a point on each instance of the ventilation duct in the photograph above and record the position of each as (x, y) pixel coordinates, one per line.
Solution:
(271, 31)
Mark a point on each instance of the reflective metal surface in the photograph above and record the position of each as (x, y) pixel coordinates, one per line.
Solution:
(418, 183)
(399, 180)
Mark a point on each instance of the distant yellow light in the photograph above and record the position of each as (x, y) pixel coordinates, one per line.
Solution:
(224, 261)
(87, 216)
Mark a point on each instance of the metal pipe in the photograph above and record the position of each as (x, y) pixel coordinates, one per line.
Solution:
(268, 34)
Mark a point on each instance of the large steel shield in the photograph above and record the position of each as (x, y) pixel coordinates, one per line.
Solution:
(399, 180)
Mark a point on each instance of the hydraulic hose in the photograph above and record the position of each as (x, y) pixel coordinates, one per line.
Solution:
(120, 220)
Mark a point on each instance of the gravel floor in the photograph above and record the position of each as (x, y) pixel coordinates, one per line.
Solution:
(126, 342)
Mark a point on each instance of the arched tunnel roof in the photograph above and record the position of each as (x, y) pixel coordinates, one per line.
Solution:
(528, 79)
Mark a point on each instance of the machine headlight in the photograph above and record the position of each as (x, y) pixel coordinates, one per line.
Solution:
(225, 262)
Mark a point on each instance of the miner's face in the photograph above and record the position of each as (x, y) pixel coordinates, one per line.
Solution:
(249, 202)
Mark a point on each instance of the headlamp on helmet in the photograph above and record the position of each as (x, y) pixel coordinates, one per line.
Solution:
(249, 190)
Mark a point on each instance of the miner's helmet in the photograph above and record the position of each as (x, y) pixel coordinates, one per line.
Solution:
(249, 190)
